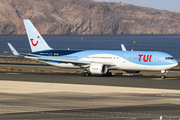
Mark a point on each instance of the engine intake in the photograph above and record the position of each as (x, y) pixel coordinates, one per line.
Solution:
(98, 69)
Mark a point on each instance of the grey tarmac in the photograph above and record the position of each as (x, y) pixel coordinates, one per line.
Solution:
(54, 96)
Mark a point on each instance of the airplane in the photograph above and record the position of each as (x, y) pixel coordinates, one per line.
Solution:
(98, 62)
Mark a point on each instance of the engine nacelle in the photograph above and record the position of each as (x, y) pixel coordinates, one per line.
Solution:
(98, 69)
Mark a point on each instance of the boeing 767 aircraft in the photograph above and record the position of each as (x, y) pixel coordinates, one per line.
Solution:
(95, 61)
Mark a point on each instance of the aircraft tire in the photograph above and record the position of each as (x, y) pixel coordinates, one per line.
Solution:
(89, 74)
(82, 74)
(86, 74)
(163, 77)
(108, 74)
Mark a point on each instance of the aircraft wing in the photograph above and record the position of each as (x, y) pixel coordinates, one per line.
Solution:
(75, 62)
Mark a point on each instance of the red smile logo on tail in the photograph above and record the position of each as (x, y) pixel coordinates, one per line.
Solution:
(35, 43)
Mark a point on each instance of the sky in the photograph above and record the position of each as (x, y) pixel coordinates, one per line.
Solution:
(170, 5)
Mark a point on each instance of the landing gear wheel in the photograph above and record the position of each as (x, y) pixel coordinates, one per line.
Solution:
(82, 74)
(163, 76)
(108, 74)
(85, 74)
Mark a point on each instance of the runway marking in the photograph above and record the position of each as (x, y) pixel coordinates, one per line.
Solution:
(28, 107)
(26, 90)
(164, 79)
(85, 113)
(22, 109)
(13, 73)
(40, 87)
(107, 114)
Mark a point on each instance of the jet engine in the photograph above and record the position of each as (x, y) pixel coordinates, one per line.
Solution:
(98, 69)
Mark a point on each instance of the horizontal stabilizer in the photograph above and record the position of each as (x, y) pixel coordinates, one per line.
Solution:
(123, 47)
(13, 50)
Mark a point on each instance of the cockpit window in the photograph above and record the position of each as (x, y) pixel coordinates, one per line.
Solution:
(169, 58)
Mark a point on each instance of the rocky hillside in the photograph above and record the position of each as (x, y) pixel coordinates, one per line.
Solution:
(85, 17)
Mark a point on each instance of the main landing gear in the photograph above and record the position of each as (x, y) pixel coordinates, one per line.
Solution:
(108, 74)
(89, 74)
(85, 74)
(164, 73)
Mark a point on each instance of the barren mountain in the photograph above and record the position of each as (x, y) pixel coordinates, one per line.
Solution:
(85, 17)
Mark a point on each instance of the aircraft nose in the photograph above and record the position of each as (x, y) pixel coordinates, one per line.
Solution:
(175, 63)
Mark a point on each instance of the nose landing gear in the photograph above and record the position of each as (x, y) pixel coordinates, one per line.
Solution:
(164, 73)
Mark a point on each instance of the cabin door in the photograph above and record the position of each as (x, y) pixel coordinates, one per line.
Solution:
(155, 59)
(124, 58)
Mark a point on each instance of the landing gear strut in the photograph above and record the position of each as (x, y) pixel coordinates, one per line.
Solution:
(164, 73)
